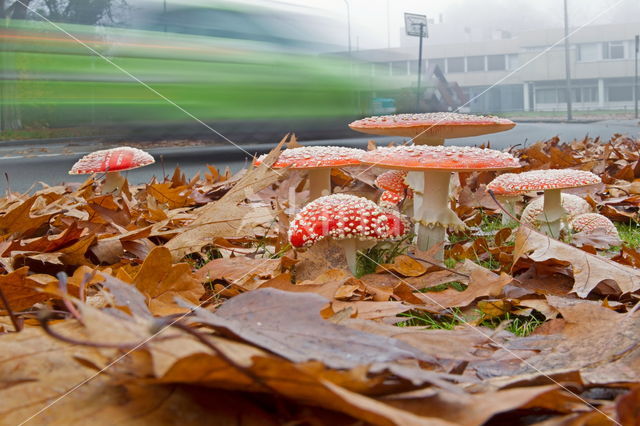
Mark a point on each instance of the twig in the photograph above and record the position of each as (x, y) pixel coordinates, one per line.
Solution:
(501, 207)
(62, 285)
(430, 262)
(14, 319)
(85, 281)
(44, 316)
(202, 339)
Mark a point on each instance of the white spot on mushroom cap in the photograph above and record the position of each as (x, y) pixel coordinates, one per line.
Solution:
(537, 180)
(439, 118)
(111, 160)
(440, 157)
(590, 222)
(316, 156)
(340, 216)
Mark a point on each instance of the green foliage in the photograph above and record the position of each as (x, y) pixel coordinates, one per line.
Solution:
(629, 233)
(380, 254)
(517, 324)
(431, 321)
(456, 285)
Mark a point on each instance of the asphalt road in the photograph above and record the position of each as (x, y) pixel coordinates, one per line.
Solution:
(28, 164)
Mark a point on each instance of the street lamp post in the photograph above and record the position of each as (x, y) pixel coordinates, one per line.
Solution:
(567, 61)
(346, 2)
(164, 15)
(635, 84)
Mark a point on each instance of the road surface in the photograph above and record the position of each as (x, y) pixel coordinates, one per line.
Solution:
(28, 164)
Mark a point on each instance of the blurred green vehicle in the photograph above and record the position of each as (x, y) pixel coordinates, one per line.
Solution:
(242, 70)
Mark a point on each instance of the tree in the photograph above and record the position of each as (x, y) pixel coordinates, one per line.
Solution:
(87, 12)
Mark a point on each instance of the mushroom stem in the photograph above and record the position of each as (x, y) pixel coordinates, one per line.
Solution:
(113, 182)
(552, 212)
(509, 204)
(319, 183)
(434, 215)
(350, 247)
(415, 181)
(423, 139)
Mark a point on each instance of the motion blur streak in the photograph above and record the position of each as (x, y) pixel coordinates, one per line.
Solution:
(227, 64)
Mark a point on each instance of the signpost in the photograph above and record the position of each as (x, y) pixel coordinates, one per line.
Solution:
(416, 26)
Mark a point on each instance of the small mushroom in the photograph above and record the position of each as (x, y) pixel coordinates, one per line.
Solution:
(436, 163)
(112, 162)
(573, 205)
(589, 223)
(395, 189)
(354, 222)
(318, 161)
(552, 182)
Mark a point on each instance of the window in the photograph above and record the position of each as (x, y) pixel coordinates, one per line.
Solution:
(512, 61)
(455, 64)
(613, 50)
(399, 68)
(475, 63)
(439, 62)
(620, 93)
(546, 96)
(587, 94)
(587, 52)
(496, 63)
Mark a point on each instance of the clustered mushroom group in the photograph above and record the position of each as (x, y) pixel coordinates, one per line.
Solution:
(420, 176)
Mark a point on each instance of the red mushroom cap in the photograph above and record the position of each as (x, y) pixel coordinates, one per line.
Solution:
(112, 160)
(589, 222)
(341, 216)
(313, 157)
(391, 198)
(436, 124)
(392, 180)
(538, 180)
(445, 158)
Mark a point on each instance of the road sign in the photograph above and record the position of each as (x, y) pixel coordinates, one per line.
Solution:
(416, 25)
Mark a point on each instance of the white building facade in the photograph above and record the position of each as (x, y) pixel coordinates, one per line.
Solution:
(525, 72)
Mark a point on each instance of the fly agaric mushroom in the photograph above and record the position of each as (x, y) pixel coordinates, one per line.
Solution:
(318, 161)
(573, 205)
(436, 164)
(112, 162)
(590, 222)
(392, 182)
(552, 182)
(430, 128)
(354, 222)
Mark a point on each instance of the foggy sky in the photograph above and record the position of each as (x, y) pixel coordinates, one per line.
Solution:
(371, 29)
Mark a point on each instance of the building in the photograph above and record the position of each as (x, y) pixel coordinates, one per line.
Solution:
(525, 71)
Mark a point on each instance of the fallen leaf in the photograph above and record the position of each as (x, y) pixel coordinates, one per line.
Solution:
(161, 282)
(322, 256)
(244, 272)
(482, 283)
(290, 325)
(22, 291)
(403, 265)
(18, 220)
(588, 270)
